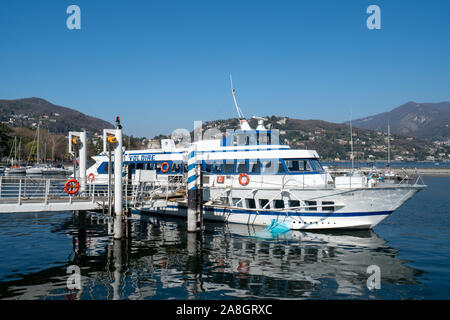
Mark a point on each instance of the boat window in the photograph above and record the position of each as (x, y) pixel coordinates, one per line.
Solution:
(297, 165)
(254, 166)
(158, 167)
(207, 166)
(305, 166)
(267, 166)
(229, 166)
(263, 203)
(103, 168)
(262, 138)
(139, 166)
(312, 204)
(243, 139)
(237, 202)
(218, 166)
(294, 203)
(251, 204)
(131, 166)
(149, 166)
(278, 204)
(176, 166)
(316, 164)
(328, 205)
(241, 166)
(281, 168)
(292, 165)
(235, 140)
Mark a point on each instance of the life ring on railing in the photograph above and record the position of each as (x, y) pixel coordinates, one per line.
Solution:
(220, 179)
(164, 167)
(91, 177)
(71, 186)
(246, 180)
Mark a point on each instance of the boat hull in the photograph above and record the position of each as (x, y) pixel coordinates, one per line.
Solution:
(361, 209)
(295, 220)
(16, 171)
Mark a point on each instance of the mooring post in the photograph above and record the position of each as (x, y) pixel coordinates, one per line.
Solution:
(118, 251)
(118, 187)
(109, 180)
(199, 196)
(82, 231)
(192, 190)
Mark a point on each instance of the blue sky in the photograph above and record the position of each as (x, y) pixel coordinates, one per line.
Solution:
(160, 65)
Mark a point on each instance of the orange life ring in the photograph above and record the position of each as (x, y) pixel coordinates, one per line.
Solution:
(91, 177)
(165, 167)
(247, 179)
(71, 186)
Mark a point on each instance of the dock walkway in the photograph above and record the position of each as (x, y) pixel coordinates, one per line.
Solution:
(30, 194)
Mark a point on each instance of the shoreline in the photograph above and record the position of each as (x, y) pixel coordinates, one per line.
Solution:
(443, 172)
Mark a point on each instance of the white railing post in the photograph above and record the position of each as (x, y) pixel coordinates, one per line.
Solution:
(20, 191)
(47, 190)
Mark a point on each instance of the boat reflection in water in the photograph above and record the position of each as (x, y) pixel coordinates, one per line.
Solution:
(228, 261)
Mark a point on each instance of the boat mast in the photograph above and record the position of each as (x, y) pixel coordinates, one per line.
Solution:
(233, 92)
(242, 121)
(15, 151)
(351, 140)
(389, 145)
(20, 144)
(37, 150)
(53, 150)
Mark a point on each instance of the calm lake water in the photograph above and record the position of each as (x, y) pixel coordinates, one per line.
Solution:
(411, 248)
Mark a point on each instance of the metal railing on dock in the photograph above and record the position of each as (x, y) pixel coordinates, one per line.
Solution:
(31, 194)
(37, 194)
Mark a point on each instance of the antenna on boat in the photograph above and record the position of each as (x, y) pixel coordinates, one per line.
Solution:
(243, 122)
(233, 92)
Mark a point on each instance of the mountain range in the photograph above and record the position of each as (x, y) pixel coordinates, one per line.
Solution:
(57, 119)
(415, 127)
(423, 120)
(332, 140)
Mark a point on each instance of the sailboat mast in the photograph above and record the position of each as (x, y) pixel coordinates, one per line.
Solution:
(20, 145)
(37, 150)
(15, 150)
(389, 145)
(351, 140)
(53, 150)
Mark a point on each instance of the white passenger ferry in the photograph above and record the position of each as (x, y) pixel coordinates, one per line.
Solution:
(250, 178)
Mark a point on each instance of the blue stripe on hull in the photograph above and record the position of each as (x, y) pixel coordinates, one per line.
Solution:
(293, 213)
